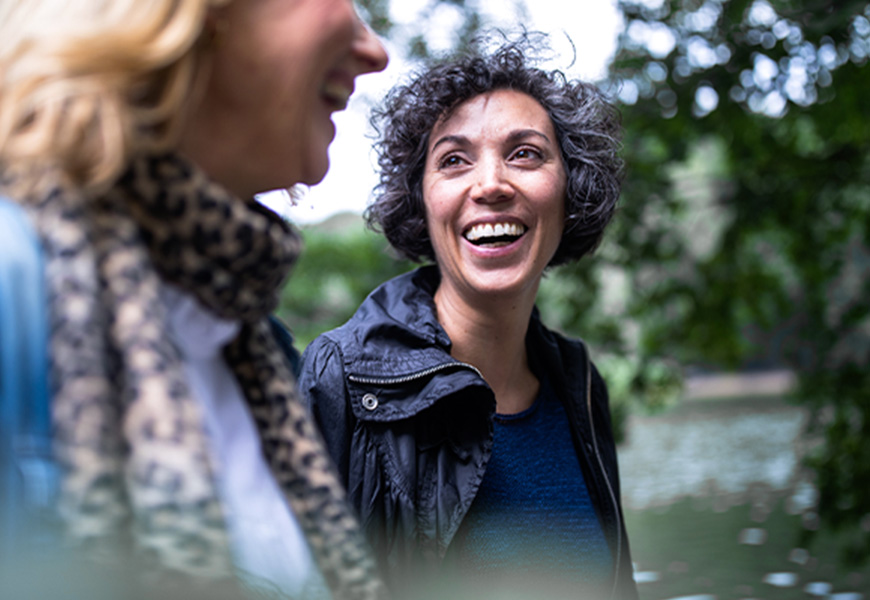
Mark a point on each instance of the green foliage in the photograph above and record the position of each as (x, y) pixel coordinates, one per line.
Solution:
(337, 270)
(377, 14)
(415, 39)
(743, 227)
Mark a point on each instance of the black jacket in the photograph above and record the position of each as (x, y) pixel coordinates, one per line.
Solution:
(410, 428)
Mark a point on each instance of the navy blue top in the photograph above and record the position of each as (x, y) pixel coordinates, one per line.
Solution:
(532, 515)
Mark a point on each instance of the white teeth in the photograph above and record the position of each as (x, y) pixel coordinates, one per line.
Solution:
(337, 93)
(487, 230)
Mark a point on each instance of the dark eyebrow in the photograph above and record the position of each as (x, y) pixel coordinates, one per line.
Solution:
(513, 137)
(521, 134)
(459, 140)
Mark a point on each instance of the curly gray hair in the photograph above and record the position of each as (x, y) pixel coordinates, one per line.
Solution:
(587, 125)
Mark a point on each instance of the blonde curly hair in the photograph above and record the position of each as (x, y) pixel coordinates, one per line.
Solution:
(87, 84)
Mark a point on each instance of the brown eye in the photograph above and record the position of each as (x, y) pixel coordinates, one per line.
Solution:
(451, 160)
(527, 153)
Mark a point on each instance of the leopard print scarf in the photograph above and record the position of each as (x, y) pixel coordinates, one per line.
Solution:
(130, 437)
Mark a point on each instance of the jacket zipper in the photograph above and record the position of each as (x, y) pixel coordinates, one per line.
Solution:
(606, 478)
(412, 376)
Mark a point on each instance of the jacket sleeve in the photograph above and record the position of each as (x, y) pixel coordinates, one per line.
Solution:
(324, 391)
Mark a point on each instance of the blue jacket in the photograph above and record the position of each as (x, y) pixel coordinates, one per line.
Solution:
(28, 475)
(410, 427)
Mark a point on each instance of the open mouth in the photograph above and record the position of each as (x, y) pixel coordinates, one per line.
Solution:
(336, 95)
(494, 235)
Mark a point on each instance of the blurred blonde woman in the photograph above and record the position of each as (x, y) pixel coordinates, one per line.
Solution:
(134, 135)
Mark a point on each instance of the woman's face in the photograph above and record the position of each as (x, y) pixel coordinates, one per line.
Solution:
(494, 192)
(278, 70)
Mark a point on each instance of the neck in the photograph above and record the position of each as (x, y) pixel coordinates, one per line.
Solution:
(493, 339)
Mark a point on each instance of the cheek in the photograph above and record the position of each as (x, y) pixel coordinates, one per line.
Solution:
(242, 88)
(553, 207)
(559, 196)
(431, 202)
(433, 224)
(437, 224)
(439, 220)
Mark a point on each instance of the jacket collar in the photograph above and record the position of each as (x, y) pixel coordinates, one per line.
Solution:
(560, 360)
(395, 332)
(394, 343)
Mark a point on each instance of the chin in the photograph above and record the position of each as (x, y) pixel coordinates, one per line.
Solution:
(314, 176)
(507, 284)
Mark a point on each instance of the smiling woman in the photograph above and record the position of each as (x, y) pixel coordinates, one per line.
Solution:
(494, 166)
(133, 138)
(474, 442)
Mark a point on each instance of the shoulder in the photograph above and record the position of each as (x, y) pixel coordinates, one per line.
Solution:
(19, 243)
(398, 314)
(321, 359)
(22, 265)
(556, 347)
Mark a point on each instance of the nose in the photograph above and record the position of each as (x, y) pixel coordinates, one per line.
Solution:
(368, 50)
(491, 183)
